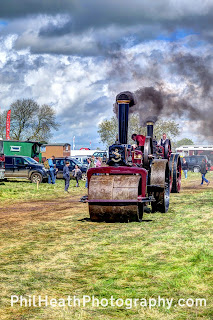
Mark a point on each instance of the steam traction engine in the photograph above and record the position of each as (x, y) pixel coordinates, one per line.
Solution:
(133, 177)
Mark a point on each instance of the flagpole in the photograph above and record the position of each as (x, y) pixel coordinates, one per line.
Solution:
(73, 143)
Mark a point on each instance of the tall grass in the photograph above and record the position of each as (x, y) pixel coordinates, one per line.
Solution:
(54, 250)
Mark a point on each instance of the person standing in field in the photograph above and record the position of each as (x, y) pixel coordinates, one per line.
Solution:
(185, 167)
(66, 176)
(203, 172)
(77, 174)
(98, 163)
(90, 165)
(92, 162)
(51, 172)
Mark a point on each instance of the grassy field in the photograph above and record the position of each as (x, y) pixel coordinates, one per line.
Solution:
(49, 247)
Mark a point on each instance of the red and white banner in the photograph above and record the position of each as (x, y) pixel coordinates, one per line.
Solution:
(8, 125)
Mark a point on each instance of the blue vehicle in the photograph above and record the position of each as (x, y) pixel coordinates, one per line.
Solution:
(60, 162)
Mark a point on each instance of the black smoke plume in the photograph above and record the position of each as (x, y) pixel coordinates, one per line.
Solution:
(193, 101)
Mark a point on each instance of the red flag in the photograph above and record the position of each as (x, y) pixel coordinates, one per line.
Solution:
(8, 125)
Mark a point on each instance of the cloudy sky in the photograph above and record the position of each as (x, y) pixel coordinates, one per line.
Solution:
(76, 55)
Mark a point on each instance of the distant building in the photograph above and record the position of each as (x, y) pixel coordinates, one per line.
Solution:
(55, 149)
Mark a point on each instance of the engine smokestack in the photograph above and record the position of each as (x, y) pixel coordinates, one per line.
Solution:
(149, 127)
(124, 101)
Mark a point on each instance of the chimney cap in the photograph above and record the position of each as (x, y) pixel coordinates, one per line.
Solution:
(126, 96)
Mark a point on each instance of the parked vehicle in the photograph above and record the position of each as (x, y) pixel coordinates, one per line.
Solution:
(81, 159)
(60, 162)
(197, 150)
(2, 161)
(102, 154)
(194, 162)
(24, 168)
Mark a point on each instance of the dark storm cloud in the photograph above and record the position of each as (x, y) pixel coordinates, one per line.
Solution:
(86, 111)
(65, 45)
(13, 9)
(53, 30)
(168, 79)
(147, 19)
(95, 13)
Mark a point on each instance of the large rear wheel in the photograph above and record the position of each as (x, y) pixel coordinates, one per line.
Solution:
(148, 150)
(175, 166)
(160, 181)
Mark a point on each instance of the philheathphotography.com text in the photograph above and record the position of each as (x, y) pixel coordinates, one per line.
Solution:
(92, 301)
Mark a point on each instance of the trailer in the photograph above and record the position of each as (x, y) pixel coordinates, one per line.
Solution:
(23, 148)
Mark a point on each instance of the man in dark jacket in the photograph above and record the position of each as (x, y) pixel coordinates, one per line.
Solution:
(51, 175)
(185, 167)
(203, 172)
(163, 140)
(66, 176)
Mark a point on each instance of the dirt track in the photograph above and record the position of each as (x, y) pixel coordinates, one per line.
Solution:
(43, 210)
(21, 213)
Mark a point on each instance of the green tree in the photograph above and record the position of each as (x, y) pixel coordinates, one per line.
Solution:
(171, 128)
(108, 129)
(184, 141)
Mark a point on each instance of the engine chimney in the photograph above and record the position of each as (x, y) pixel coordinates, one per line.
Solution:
(124, 101)
(149, 126)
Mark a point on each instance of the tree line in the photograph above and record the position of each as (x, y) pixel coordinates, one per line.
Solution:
(29, 121)
(108, 131)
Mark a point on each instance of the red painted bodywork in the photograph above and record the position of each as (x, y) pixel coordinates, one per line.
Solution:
(2, 160)
(137, 157)
(119, 171)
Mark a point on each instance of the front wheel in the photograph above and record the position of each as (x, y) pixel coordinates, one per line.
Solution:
(196, 169)
(84, 177)
(36, 177)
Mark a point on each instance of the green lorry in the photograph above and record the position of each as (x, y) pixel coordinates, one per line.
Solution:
(23, 148)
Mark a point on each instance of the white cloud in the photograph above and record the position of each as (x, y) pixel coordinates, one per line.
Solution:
(78, 63)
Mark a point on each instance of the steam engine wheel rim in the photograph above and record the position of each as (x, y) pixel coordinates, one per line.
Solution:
(176, 185)
(161, 175)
